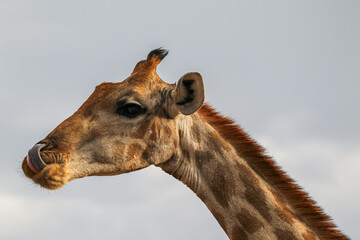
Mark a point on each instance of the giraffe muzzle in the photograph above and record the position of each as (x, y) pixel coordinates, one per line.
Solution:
(33, 159)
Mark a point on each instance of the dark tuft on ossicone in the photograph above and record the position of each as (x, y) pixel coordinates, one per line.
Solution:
(159, 52)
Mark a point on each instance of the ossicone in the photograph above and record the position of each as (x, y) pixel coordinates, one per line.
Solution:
(153, 59)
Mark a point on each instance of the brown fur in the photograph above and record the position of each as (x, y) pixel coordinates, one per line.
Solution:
(283, 234)
(308, 236)
(92, 142)
(266, 167)
(238, 233)
(153, 59)
(134, 151)
(250, 223)
(286, 214)
(253, 193)
(220, 185)
(52, 176)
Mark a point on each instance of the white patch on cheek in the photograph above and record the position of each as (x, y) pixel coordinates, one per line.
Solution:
(75, 167)
(184, 124)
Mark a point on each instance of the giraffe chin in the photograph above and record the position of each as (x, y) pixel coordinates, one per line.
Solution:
(52, 176)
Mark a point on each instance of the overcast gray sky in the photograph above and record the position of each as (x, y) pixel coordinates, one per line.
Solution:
(286, 71)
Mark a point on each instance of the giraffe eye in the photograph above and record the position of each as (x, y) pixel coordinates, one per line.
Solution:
(130, 110)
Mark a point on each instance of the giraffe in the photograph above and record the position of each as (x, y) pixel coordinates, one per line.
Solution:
(143, 121)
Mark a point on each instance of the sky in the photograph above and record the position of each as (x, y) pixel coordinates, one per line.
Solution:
(286, 71)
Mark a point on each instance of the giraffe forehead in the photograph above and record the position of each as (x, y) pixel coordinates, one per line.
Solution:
(145, 80)
(115, 91)
(143, 84)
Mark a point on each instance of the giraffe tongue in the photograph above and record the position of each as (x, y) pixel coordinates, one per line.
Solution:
(33, 159)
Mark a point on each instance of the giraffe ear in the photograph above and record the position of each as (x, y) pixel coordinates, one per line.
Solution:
(189, 93)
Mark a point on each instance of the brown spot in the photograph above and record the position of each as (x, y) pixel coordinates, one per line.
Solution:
(249, 222)
(219, 179)
(253, 193)
(88, 138)
(221, 185)
(93, 117)
(148, 153)
(143, 129)
(186, 155)
(196, 134)
(284, 234)
(257, 199)
(154, 133)
(89, 113)
(99, 155)
(308, 235)
(202, 158)
(167, 130)
(238, 233)
(213, 140)
(93, 135)
(269, 170)
(133, 151)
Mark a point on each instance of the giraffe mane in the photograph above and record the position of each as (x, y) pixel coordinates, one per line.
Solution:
(255, 155)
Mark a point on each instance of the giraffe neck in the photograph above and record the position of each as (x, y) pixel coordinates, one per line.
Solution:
(243, 203)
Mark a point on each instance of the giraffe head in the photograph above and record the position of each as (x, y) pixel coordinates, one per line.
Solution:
(120, 128)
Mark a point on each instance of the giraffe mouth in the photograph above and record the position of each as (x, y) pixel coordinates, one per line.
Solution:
(34, 160)
(48, 169)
